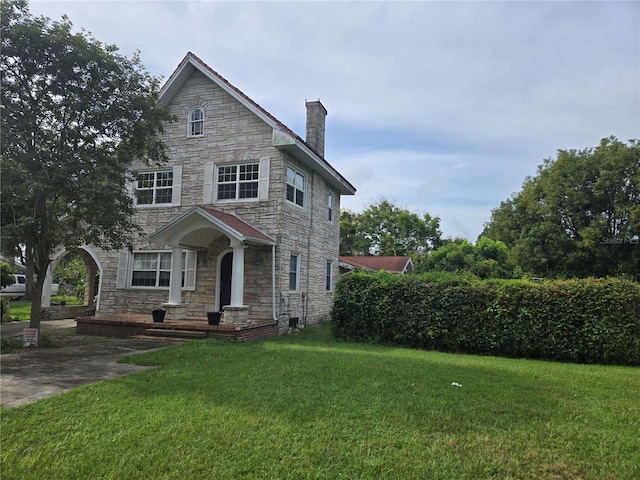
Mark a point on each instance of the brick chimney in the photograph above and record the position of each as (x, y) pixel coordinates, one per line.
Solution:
(316, 114)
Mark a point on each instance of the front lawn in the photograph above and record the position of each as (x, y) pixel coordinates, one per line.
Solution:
(21, 309)
(306, 406)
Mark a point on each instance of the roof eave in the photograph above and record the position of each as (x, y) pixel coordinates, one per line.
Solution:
(296, 147)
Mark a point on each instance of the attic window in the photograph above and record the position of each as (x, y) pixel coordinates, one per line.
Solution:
(196, 122)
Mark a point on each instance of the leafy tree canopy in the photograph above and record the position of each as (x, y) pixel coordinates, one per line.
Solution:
(486, 259)
(386, 229)
(6, 274)
(579, 216)
(75, 114)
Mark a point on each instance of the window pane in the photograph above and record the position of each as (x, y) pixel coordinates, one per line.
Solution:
(165, 261)
(299, 181)
(144, 197)
(145, 180)
(249, 190)
(164, 179)
(145, 261)
(143, 279)
(291, 193)
(291, 176)
(164, 279)
(226, 191)
(164, 195)
(299, 198)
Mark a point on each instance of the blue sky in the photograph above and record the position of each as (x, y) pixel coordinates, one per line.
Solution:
(440, 107)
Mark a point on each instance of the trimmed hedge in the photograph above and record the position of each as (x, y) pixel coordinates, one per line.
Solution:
(582, 320)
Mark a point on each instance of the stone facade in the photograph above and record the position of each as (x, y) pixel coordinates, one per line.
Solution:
(237, 131)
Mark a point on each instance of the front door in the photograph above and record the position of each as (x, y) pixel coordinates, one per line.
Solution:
(225, 279)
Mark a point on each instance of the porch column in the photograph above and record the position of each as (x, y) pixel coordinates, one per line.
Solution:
(175, 282)
(237, 278)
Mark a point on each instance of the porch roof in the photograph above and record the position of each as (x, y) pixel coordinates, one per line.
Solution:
(199, 225)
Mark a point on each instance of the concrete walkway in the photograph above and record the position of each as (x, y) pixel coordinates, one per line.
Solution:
(34, 374)
(14, 329)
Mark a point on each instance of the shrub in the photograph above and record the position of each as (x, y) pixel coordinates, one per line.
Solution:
(586, 320)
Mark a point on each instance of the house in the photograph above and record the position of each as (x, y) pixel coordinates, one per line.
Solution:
(244, 218)
(397, 264)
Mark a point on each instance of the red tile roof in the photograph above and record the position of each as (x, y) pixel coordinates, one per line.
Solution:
(235, 223)
(396, 264)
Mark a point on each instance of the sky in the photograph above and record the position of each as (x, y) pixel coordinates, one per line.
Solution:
(439, 107)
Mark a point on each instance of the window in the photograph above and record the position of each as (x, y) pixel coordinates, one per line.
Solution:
(154, 188)
(330, 206)
(294, 273)
(196, 122)
(153, 269)
(329, 277)
(295, 187)
(236, 182)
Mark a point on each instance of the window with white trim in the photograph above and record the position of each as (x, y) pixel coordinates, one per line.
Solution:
(330, 207)
(152, 269)
(153, 188)
(236, 182)
(295, 186)
(196, 122)
(294, 273)
(329, 277)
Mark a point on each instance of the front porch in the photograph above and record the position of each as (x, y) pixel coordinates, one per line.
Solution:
(133, 324)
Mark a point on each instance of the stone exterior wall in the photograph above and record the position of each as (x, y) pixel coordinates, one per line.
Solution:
(233, 134)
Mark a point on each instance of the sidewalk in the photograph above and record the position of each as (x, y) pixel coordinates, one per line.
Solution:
(14, 329)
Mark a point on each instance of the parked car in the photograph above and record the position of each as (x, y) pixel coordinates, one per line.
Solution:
(19, 288)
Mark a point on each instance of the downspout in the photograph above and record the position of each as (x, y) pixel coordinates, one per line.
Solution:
(305, 298)
(273, 281)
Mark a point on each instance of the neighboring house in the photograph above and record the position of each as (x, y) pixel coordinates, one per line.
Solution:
(399, 265)
(244, 218)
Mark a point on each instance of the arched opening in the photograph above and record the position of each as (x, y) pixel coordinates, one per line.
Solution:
(77, 273)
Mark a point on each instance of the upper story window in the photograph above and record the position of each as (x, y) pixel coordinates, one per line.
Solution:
(154, 188)
(237, 182)
(295, 186)
(330, 207)
(159, 188)
(196, 122)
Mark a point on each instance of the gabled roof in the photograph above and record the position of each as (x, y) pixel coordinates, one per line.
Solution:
(398, 264)
(199, 225)
(283, 137)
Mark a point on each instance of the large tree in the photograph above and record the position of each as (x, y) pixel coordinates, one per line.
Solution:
(75, 114)
(386, 229)
(486, 259)
(579, 216)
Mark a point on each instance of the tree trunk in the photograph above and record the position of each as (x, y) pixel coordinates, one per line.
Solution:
(36, 303)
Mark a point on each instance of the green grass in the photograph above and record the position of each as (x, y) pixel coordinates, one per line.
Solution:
(309, 407)
(21, 309)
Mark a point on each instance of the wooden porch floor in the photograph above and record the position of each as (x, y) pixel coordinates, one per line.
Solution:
(132, 324)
